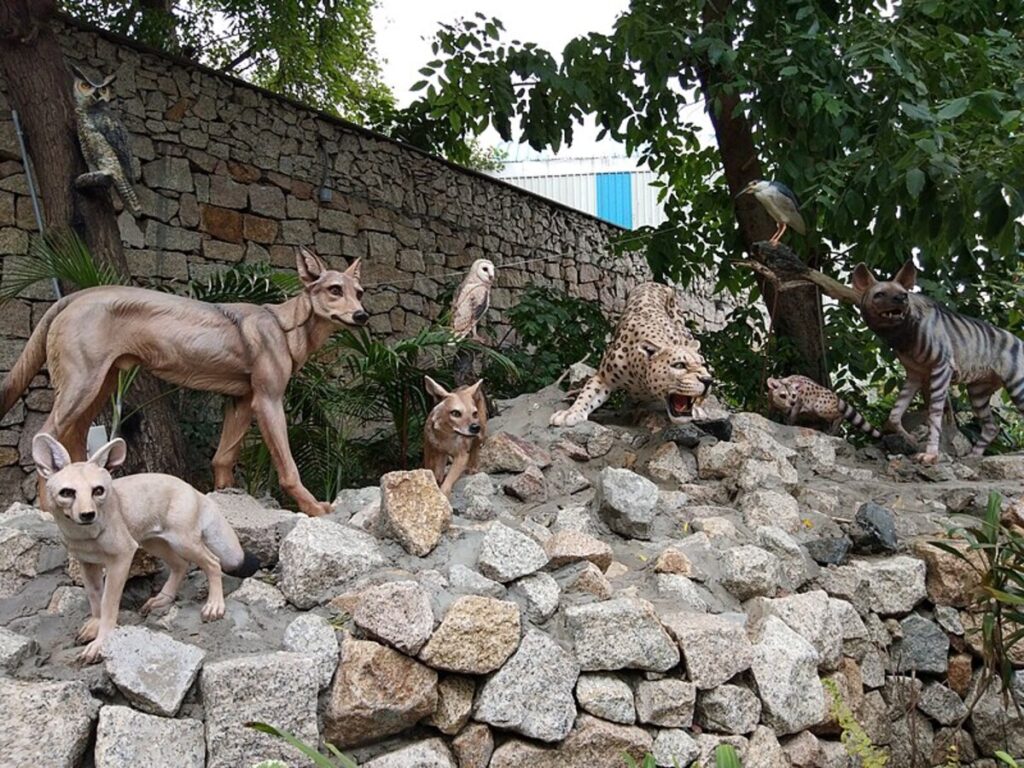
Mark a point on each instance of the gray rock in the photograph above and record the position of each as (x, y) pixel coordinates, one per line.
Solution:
(924, 647)
(256, 592)
(314, 636)
(30, 544)
(153, 670)
(126, 739)
(319, 556)
(575, 519)
(764, 750)
(714, 648)
(529, 485)
(625, 633)
(875, 529)
(683, 592)
(770, 508)
(796, 565)
(506, 554)
(728, 709)
(997, 724)
(474, 746)
(45, 724)
(666, 703)
(432, 753)
(14, 649)
(539, 594)
(260, 529)
(471, 490)
(593, 743)
(413, 510)
(750, 571)
(810, 615)
(941, 704)
(397, 613)
(532, 693)
(627, 502)
(674, 747)
(948, 618)
(606, 696)
(829, 550)
(276, 688)
(466, 581)
(708, 744)
(785, 670)
(504, 452)
(670, 464)
(888, 587)
(359, 503)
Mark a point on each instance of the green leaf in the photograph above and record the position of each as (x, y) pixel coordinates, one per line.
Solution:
(953, 109)
(915, 182)
(319, 760)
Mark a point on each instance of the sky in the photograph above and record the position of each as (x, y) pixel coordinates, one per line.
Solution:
(405, 27)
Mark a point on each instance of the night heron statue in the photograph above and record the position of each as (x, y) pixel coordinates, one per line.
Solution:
(781, 204)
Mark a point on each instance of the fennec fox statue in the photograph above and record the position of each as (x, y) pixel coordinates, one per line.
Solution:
(455, 429)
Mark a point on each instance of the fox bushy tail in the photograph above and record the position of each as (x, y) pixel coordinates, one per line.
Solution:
(31, 359)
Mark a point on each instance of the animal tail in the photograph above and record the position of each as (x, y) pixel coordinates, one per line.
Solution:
(31, 359)
(128, 196)
(222, 540)
(853, 416)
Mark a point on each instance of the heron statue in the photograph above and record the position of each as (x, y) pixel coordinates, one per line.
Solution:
(781, 204)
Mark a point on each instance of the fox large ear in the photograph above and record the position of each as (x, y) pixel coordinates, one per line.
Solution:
(472, 390)
(110, 455)
(435, 389)
(353, 269)
(309, 265)
(862, 278)
(49, 455)
(774, 384)
(907, 276)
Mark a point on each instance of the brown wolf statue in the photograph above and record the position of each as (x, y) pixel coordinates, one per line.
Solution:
(245, 351)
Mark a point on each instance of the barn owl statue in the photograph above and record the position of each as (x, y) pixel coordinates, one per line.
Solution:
(104, 139)
(472, 299)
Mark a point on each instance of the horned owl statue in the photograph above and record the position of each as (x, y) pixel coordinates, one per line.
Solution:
(472, 299)
(104, 139)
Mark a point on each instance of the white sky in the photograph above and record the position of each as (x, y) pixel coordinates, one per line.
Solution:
(405, 27)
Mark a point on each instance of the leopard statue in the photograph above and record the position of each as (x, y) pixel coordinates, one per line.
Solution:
(799, 396)
(652, 356)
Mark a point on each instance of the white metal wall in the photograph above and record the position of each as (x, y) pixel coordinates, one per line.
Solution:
(647, 211)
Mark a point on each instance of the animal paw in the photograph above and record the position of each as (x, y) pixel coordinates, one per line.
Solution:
(927, 458)
(566, 418)
(318, 508)
(156, 602)
(213, 610)
(93, 651)
(88, 631)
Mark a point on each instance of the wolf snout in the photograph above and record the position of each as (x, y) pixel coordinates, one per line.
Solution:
(474, 428)
(86, 517)
(361, 317)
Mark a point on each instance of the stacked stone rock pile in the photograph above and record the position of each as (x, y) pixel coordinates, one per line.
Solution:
(638, 592)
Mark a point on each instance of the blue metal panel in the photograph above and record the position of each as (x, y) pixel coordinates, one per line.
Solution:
(615, 198)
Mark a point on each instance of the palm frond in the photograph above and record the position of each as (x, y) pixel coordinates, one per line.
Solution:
(61, 256)
(254, 283)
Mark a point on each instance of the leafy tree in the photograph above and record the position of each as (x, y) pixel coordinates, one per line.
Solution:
(320, 52)
(897, 124)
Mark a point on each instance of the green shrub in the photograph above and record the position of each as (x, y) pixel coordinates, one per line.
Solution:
(858, 744)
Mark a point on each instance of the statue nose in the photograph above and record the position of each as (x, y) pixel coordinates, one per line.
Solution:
(87, 517)
(360, 317)
(474, 428)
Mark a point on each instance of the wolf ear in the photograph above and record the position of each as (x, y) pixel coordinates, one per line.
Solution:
(862, 278)
(774, 384)
(49, 455)
(435, 389)
(309, 265)
(472, 390)
(110, 455)
(353, 269)
(907, 276)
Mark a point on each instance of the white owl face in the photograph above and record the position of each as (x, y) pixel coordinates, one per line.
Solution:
(483, 270)
(89, 92)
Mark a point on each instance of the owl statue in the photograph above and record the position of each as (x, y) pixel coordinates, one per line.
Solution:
(472, 299)
(104, 139)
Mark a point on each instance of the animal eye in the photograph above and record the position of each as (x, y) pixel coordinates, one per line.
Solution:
(475, 414)
(66, 493)
(335, 290)
(456, 413)
(359, 293)
(99, 490)
(678, 365)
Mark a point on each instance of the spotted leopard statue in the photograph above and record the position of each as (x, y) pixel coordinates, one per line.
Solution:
(652, 356)
(798, 396)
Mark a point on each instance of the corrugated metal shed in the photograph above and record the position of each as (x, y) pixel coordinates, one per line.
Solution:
(610, 188)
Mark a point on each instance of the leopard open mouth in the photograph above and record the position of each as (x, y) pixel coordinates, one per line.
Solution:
(680, 406)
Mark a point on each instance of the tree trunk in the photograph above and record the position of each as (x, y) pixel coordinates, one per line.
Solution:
(39, 88)
(796, 314)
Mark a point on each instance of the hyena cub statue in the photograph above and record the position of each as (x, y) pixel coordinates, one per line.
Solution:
(798, 396)
(939, 347)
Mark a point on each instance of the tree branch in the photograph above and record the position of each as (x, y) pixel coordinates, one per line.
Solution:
(783, 269)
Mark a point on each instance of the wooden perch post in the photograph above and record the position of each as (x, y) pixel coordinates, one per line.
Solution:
(780, 265)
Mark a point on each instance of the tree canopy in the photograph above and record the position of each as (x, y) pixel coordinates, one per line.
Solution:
(320, 52)
(897, 124)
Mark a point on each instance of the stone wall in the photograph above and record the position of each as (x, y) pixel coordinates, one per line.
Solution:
(230, 173)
